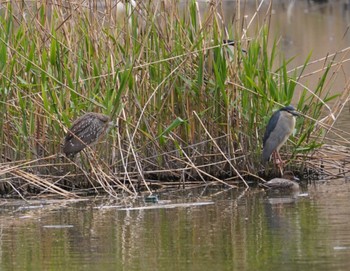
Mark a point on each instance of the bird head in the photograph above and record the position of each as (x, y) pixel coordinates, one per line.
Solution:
(290, 109)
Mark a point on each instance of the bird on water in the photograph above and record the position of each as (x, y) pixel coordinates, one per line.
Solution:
(278, 130)
(85, 131)
(286, 183)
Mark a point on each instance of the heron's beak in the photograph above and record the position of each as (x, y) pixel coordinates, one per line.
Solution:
(295, 113)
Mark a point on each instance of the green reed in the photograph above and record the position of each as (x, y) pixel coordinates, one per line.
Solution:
(183, 99)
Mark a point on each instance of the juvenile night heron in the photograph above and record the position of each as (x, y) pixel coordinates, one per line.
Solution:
(279, 128)
(85, 131)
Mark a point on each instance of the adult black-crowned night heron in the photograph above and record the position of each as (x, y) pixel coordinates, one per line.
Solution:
(279, 128)
(232, 43)
(227, 52)
(85, 131)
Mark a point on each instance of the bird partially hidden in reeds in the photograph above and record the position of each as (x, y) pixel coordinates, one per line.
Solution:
(212, 56)
(232, 43)
(280, 126)
(85, 131)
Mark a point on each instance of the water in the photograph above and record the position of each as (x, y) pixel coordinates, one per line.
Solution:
(234, 230)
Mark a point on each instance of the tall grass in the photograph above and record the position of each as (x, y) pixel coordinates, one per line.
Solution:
(187, 108)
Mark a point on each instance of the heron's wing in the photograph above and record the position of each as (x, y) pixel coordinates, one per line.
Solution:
(270, 141)
(271, 125)
(75, 131)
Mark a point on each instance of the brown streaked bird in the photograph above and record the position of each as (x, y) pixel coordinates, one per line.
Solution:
(85, 131)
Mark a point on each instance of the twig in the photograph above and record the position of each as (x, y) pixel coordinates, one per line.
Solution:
(222, 153)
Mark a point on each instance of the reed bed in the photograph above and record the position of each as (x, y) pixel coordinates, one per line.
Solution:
(189, 108)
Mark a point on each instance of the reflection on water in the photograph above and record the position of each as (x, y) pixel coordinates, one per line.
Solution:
(239, 231)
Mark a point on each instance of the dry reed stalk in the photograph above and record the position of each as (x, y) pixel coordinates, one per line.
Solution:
(107, 182)
(323, 59)
(217, 146)
(338, 108)
(328, 162)
(190, 165)
(41, 183)
(8, 167)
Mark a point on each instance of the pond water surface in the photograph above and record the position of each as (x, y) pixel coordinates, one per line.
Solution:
(201, 229)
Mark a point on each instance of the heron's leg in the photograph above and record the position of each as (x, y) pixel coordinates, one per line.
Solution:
(280, 161)
(281, 164)
(280, 167)
(275, 159)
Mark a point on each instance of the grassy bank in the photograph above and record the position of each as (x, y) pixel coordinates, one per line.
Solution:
(187, 108)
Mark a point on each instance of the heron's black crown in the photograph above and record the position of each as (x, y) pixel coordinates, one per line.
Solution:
(290, 109)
